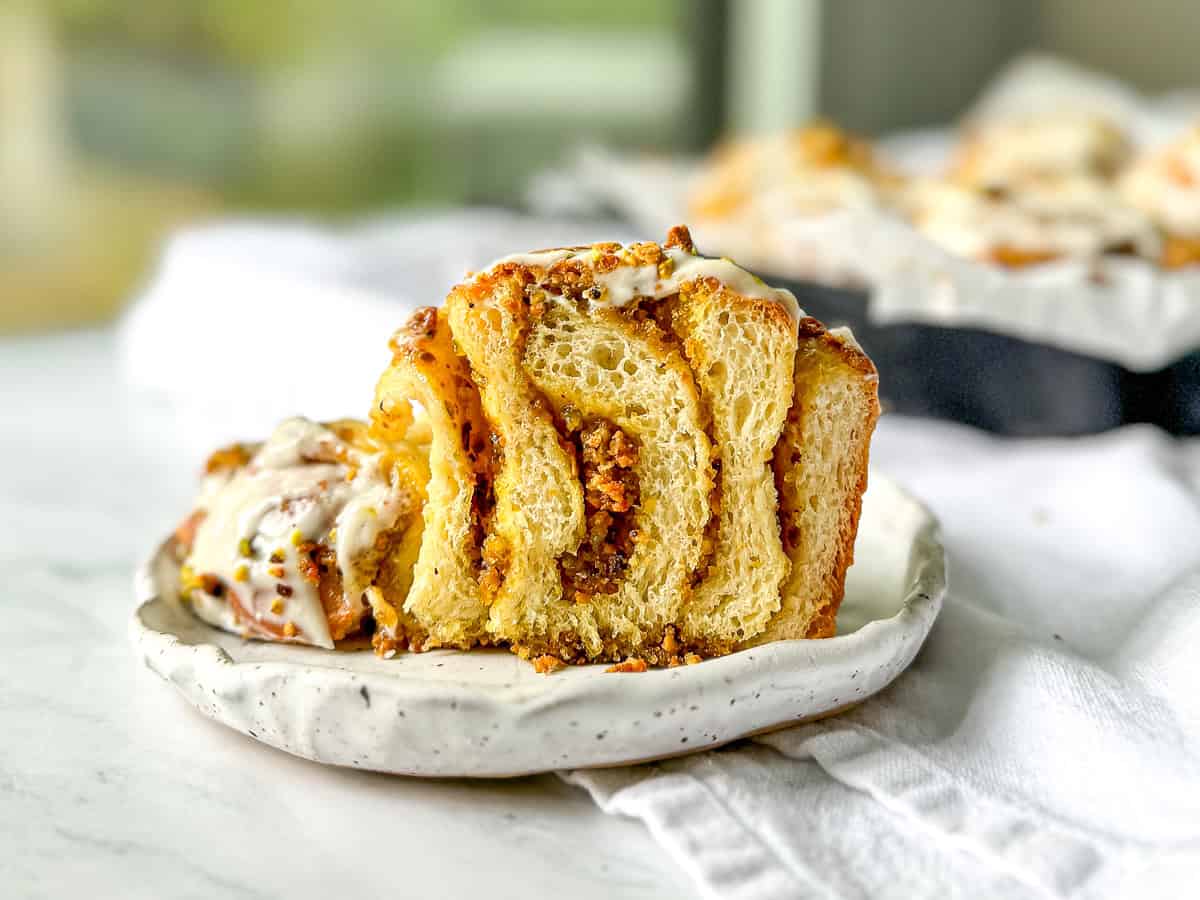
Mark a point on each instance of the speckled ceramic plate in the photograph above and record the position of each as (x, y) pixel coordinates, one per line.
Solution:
(486, 713)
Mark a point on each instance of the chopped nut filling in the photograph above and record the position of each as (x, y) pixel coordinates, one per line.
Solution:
(343, 615)
(544, 665)
(630, 665)
(607, 457)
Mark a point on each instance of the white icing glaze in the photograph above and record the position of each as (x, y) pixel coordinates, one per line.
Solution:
(825, 190)
(780, 177)
(292, 490)
(1011, 151)
(844, 335)
(622, 285)
(1074, 218)
(1166, 186)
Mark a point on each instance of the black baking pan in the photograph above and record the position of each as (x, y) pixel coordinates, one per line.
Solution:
(1005, 384)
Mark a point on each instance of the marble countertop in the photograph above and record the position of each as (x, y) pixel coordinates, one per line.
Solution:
(111, 786)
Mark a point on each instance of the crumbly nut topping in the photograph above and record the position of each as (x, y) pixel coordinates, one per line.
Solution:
(633, 664)
(546, 664)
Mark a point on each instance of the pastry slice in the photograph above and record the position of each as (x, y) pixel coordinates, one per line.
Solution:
(741, 348)
(450, 580)
(643, 400)
(294, 538)
(604, 469)
(820, 470)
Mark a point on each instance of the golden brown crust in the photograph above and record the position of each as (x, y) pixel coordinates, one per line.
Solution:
(426, 368)
(849, 354)
(814, 334)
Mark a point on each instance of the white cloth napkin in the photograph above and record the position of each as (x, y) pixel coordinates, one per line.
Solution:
(1046, 742)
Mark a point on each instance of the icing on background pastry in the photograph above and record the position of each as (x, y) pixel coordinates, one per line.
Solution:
(1070, 217)
(1011, 152)
(1166, 185)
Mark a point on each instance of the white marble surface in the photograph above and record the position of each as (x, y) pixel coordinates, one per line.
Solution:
(110, 786)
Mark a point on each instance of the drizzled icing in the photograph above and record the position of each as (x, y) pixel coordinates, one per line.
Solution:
(1076, 218)
(622, 285)
(303, 485)
(1014, 151)
(1166, 186)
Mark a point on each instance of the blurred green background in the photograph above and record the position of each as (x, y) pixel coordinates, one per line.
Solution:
(120, 119)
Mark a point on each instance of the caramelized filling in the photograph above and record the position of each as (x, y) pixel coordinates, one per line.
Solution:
(318, 564)
(606, 457)
(488, 556)
(708, 545)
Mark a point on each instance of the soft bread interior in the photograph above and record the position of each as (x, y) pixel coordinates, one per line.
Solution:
(821, 474)
(603, 367)
(742, 353)
(539, 513)
(444, 598)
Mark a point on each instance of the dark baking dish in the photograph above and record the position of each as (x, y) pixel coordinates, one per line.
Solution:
(1005, 384)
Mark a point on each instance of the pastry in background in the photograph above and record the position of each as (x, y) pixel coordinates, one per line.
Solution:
(1165, 185)
(812, 170)
(1065, 218)
(1013, 153)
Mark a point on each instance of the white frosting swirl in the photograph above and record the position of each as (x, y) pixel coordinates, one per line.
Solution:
(303, 485)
